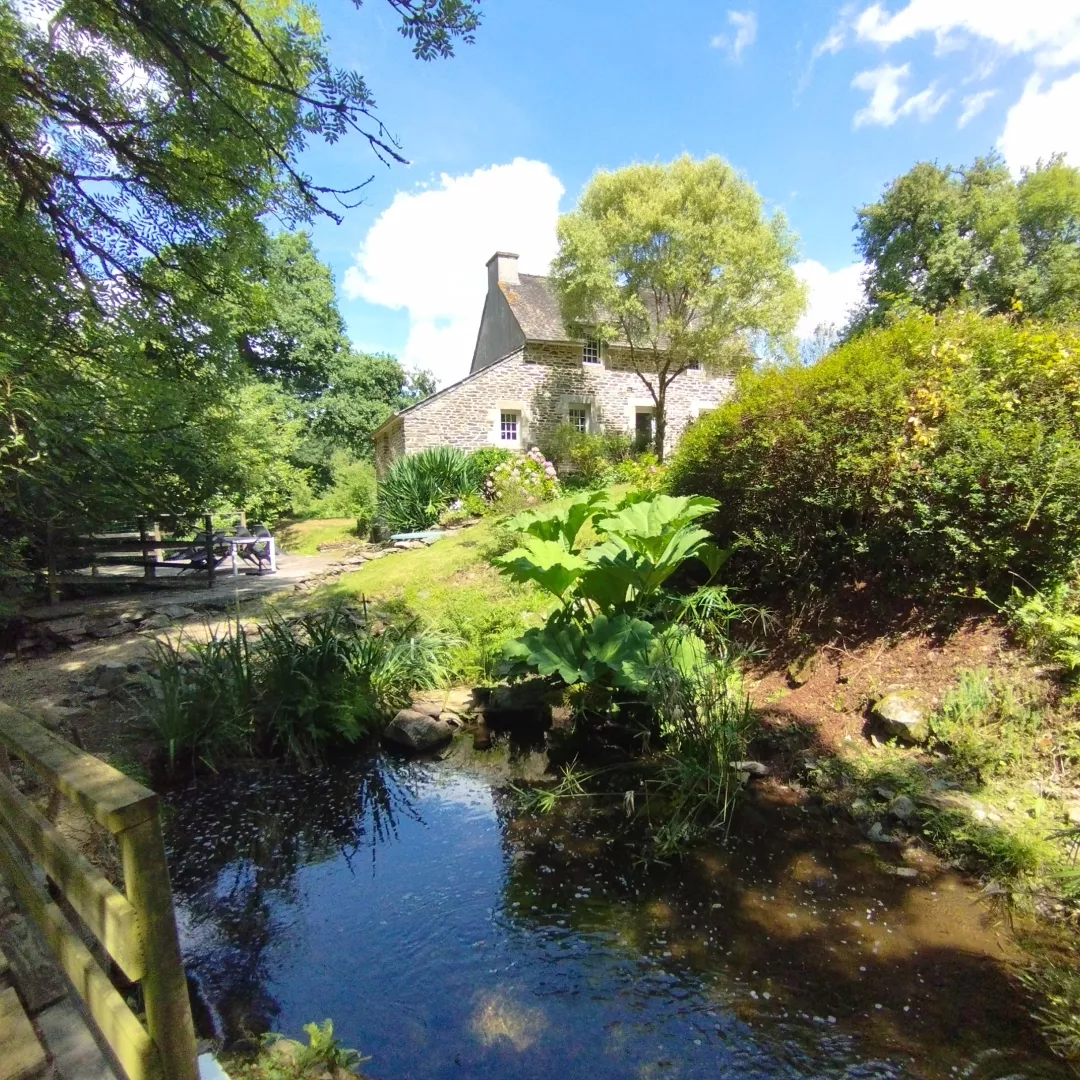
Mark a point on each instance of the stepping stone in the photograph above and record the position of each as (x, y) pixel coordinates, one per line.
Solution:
(22, 1057)
(33, 966)
(76, 1054)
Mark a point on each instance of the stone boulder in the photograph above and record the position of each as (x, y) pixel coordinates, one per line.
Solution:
(109, 675)
(903, 714)
(418, 731)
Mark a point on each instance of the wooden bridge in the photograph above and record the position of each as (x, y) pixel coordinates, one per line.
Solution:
(135, 928)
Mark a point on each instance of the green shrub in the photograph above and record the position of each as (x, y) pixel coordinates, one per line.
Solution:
(931, 456)
(589, 457)
(985, 727)
(420, 486)
(1049, 624)
(484, 460)
(615, 622)
(523, 481)
(643, 473)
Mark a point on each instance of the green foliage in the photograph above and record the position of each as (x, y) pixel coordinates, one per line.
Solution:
(985, 727)
(680, 263)
(484, 460)
(352, 493)
(932, 456)
(115, 177)
(588, 457)
(420, 486)
(1049, 624)
(324, 1058)
(706, 723)
(302, 686)
(614, 623)
(523, 480)
(974, 236)
(1057, 986)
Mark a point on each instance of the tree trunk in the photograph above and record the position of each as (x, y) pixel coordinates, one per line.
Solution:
(660, 420)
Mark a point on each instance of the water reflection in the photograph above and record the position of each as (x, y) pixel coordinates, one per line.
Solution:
(449, 937)
(236, 844)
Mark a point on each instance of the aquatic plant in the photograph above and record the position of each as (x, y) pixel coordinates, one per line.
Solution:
(302, 685)
(324, 1058)
(706, 724)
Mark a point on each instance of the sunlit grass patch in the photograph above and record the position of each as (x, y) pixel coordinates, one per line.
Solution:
(306, 537)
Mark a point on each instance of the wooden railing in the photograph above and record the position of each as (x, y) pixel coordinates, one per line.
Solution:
(136, 927)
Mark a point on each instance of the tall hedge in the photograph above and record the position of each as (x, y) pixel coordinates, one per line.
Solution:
(930, 456)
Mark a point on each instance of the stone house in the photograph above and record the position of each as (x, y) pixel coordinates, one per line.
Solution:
(530, 375)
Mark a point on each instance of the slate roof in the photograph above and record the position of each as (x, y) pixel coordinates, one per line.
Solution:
(536, 308)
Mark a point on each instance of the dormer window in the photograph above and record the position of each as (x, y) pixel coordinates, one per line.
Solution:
(591, 351)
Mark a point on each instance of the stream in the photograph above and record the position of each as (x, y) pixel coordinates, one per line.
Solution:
(449, 935)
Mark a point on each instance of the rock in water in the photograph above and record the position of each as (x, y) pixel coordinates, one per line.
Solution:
(902, 714)
(417, 730)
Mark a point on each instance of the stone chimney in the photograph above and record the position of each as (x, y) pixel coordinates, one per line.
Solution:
(502, 266)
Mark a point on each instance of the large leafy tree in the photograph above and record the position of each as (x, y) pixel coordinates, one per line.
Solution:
(142, 146)
(680, 264)
(975, 236)
(138, 131)
(292, 333)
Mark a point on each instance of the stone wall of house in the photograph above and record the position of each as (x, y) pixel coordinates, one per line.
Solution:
(389, 444)
(542, 383)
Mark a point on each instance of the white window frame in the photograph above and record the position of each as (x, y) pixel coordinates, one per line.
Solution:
(580, 422)
(693, 364)
(514, 421)
(594, 346)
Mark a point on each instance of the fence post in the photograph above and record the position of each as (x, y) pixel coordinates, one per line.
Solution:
(165, 992)
(159, 553)
(50, 563)
(208, 525)
(148, 567)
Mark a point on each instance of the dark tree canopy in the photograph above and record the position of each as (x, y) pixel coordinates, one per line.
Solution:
(974, 236)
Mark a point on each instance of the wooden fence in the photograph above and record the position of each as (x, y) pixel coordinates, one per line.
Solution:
(145, 548)
(136, 927)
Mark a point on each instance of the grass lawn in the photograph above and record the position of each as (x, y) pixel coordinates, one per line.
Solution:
(450, 586)
(306, 537)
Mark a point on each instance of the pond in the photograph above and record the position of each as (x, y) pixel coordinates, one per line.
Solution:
(450, 936)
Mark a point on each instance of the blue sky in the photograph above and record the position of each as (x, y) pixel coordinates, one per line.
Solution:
(819, 104)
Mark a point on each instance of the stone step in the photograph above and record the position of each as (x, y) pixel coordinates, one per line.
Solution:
(22, 1057)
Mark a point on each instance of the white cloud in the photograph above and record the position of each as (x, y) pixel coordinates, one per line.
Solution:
(426, 253)
(1043, 122)
(973, 105)
(1048, 28)
(745, 27)
(885, 107)
(831, 295)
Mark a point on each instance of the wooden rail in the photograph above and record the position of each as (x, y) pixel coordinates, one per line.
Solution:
(137, 927)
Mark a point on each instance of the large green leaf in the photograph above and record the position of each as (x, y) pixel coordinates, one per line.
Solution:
(713, 557)
(620, 644)
(557, 648)
(615, 571)
(647, 526)
(563, 524)
(683, 649)
(546, 562)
